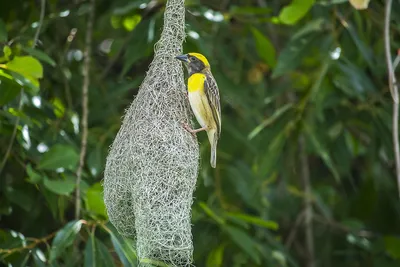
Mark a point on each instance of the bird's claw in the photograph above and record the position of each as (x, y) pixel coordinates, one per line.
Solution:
(187, 128)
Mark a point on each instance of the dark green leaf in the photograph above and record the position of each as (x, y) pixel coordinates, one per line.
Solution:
(9, 90)
(269, 121)
(39, 258)
(60, 186)
(244, 241)
(123, 247)
(59, 156)
(64, 238)
(211, 213)
(3, 32)
(39, 55)
(34, 177)
(323, 153)
(90, 252)
(291, 56)
(265, 49)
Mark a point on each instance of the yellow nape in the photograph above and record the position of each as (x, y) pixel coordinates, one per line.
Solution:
(201, 58)
(196, 82)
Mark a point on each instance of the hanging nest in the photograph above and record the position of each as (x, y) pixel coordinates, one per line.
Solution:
(152, 166)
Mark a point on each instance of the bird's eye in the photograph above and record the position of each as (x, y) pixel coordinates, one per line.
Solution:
(193, 58)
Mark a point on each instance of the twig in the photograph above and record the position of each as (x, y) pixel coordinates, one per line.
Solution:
(42, 12)
(14, 133)
(394, 91)
(343, 228)
(36, 241)
(308, 209)
(85, 108)
(294, 229)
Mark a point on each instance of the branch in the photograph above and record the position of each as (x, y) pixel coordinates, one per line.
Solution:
(85, 108)
(42, 11)
(308, 209)
(14, 133)
(36, 241)
(394, 91)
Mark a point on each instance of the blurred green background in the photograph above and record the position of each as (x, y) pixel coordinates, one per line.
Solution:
(305, 173)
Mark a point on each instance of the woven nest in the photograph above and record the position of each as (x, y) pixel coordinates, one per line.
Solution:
(152, 165)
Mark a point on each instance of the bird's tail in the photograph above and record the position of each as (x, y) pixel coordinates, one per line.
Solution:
(213, 138)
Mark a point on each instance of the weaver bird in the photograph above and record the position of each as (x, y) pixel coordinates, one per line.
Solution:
(204, 100)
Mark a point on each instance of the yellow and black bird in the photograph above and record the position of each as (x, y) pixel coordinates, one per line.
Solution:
(204, 99)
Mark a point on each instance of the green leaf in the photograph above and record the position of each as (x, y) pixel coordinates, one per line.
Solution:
(123, 247)
(215, 258)
(28, 66)
(322, 152)
(103, 256)
(29, 83)
(332, 2)
(3, 32)
(64, 238)
(34, 177)
(211, 213)
(265, 49)
(94, 200)
(292, 55)
(90, 252)
(392, 245)
(131, 22)
(39, 55)
(61, 186)
(254, 220)
(310, 27)
(59, 156)
(244, 241)
(280, 111)
(292, 13)
(39, 258)
(9, 90)
(7, 52)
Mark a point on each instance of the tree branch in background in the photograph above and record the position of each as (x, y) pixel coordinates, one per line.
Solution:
(39, 27)
(85, 107)
(308, 205)
(393, 90)
(14, 133)
(35, 243)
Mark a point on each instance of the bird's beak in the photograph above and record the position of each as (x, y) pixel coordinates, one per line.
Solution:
(183, 58)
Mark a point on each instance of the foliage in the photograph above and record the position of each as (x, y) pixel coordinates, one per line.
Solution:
(298, 80)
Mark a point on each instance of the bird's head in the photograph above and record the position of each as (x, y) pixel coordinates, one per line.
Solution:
(194, 62)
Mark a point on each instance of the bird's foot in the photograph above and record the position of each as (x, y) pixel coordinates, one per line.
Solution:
(190, 130)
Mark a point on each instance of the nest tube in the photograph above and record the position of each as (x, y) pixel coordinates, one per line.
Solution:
(152, 165)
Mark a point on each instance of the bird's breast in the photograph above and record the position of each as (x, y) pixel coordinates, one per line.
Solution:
(196, 82)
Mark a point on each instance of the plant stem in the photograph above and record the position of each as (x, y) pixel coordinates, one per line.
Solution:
(394, 91)
(308, 209)
(85, 106)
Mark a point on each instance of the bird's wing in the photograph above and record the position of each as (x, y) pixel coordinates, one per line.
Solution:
(212, 92)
